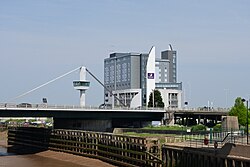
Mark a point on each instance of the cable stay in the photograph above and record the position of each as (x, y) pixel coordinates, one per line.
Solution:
(53, 80)
(105, 87)
(61, 76)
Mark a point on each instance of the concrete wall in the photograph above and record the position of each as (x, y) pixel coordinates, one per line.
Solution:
(230, 155)
(230, 123)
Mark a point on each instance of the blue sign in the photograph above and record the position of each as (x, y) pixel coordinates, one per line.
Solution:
(151, 75)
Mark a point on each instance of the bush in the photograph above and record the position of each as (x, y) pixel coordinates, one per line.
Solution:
(197, 128)
(217, 128)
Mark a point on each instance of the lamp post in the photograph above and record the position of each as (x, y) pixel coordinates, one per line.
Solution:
(247, 121)
(244, 100)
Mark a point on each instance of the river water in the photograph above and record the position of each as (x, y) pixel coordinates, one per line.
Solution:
(44, 159)
(47, 159)
(31, 160)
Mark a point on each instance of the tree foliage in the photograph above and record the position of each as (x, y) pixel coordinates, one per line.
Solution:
(157, 99)
(217, 128)
(239, 110)
(198, 128)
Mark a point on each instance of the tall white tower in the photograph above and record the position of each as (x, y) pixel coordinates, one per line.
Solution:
(150, 73)
(82, 85)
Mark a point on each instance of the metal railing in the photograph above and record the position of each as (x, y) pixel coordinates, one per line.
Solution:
(197, 140)
(55, 106)
(50, 106)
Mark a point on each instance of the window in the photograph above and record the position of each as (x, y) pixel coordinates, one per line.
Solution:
(106, 75)
(81, 83)
(174, 58)
(118, 73)
(124, 72)
(112, 74)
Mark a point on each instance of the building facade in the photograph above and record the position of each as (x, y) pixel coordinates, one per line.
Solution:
(166, 79)
(129, 78)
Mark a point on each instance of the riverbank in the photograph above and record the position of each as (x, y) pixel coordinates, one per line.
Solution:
(47, 158)
(50, 158)
(3, 138)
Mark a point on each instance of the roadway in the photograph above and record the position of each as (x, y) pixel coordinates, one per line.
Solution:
(87, 118)
(63, 111)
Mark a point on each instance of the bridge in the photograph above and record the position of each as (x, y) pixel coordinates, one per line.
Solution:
(87, 118)
(93, 118)
(197, 116)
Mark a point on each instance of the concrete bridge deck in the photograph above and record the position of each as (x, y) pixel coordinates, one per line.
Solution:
(86, 117)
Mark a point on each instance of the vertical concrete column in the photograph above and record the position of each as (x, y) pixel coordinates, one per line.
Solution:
(205, 121)
(216, 119)
(186, 120)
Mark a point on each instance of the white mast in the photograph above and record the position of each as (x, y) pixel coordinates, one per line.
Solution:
(82, 85)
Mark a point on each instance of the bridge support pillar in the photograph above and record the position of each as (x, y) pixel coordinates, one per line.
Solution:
(91, 125)
(199, 120)
(98, 125)
(182, 121)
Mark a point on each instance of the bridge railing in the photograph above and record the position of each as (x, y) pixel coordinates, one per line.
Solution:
(55, 106)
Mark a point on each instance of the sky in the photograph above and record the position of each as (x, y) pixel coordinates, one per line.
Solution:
(43, 39)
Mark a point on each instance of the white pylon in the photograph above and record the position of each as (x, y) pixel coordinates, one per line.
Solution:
(82, 85)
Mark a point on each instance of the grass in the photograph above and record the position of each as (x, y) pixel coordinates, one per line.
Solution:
(162, 139)
(146, 134)
(166, 128)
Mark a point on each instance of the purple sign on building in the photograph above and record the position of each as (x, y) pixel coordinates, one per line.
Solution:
(151, 75)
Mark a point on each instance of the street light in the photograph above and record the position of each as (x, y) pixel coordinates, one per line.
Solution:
(243, 100)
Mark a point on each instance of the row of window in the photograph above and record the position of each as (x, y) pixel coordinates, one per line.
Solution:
(122, 73)
(81, 83)
(123, 85)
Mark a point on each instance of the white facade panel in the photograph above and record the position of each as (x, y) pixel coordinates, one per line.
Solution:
(150, 72)
(169, 98)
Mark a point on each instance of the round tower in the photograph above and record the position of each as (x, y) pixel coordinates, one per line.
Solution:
(82, 85)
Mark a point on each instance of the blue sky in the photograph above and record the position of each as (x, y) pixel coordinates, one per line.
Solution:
(40, 40)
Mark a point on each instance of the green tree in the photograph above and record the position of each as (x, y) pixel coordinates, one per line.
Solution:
(197, 128)
(217, 128)
(239, 110)
(157, 99)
